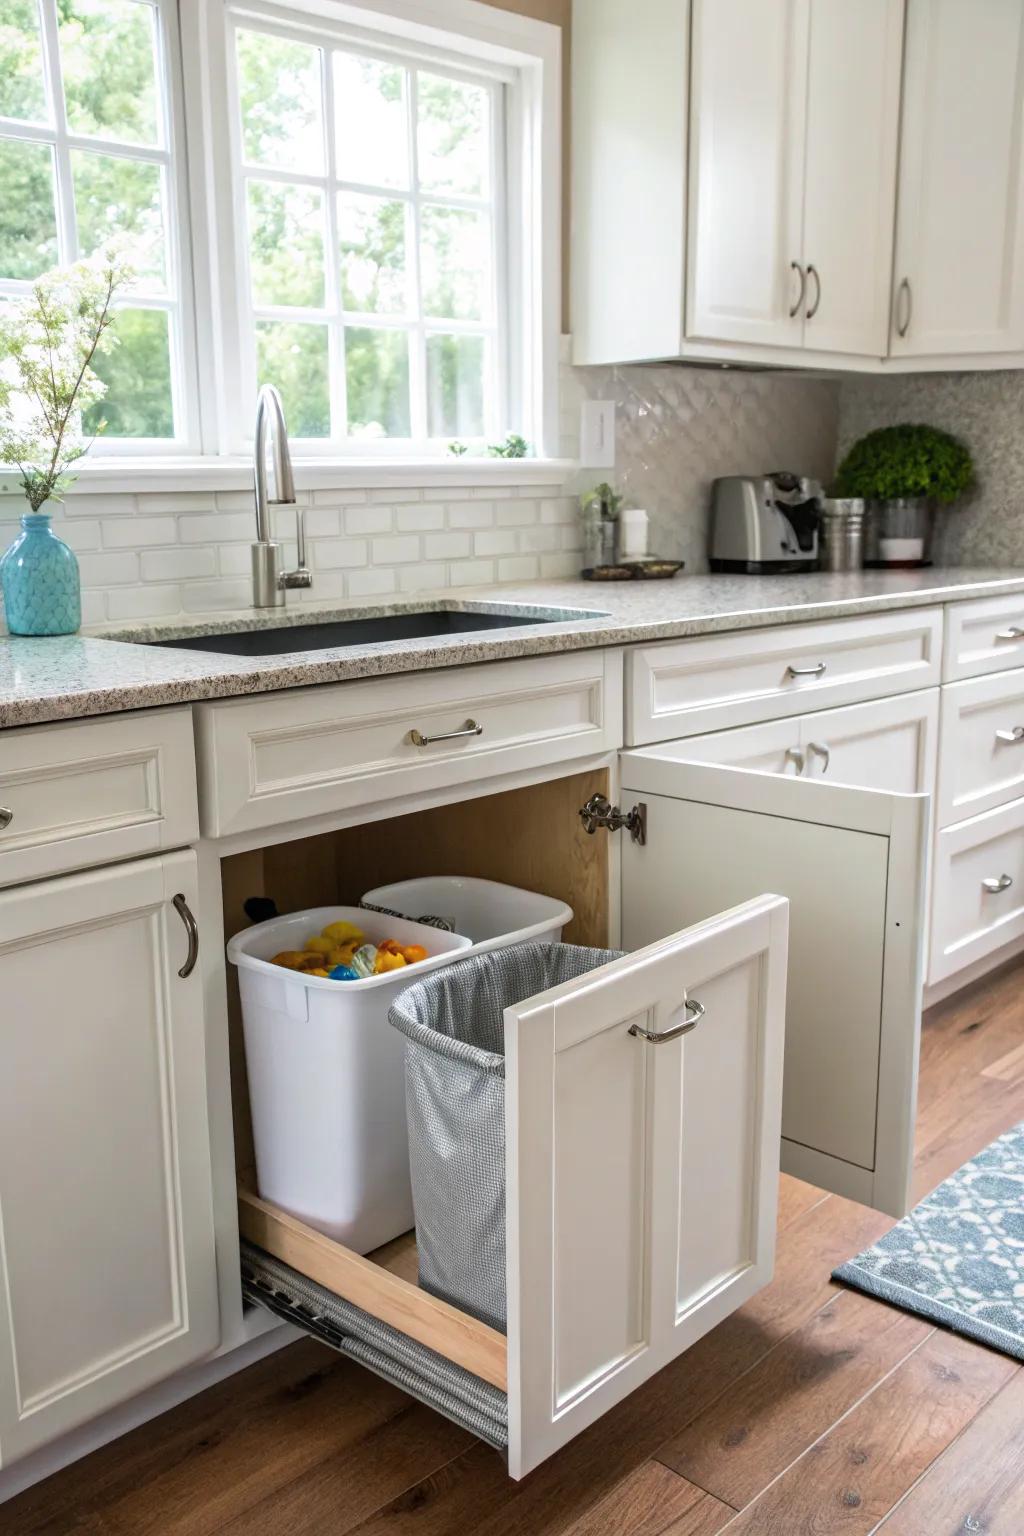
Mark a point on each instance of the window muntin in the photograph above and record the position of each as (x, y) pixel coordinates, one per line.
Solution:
(369, 187)
(87, 153)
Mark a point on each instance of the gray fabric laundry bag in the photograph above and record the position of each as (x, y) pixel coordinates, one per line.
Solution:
(455, 1105)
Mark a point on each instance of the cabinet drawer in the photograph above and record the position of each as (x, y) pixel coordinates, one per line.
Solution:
(885, 744)
(981, 756)
(978, 901)
(983, 636)
(321, 750)
(90, 792)
(689, 686)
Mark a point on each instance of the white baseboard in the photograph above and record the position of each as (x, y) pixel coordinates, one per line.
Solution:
(960, 979)
(138, 1410)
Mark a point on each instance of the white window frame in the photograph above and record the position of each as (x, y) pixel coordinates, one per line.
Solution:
(178, 302)
(525, 55)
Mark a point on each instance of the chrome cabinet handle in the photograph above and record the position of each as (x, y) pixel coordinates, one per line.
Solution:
(181, 906)
(795, 756)
(821, 749)
(818, 670)
(6, 817)
(795, 266)
(904, 290)
(1015, 632)
(469, 729)
(813, 310)
(996, 883)
(1015, 734)
(693, 1011)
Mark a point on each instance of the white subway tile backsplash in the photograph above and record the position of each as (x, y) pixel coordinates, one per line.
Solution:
(213, 596)
(94, 607)
(559, 567)
(468, 514)
(395, 551)
(514, 514)
(538, 540)
(447, 546)
(471, 573)
(369, 520)
(217, 528)
(178, 564)
(419, 519)
(134, 533)
(371, 583)
(494, 541)
(143, 602)
(334, 555)
(81, 534)
(108, 570)
(519, 568)
(562, 510)
(418, 578)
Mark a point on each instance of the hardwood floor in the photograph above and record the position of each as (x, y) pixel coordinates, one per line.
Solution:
(811, 1410)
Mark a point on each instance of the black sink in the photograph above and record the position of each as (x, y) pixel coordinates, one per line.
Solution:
(359, 631)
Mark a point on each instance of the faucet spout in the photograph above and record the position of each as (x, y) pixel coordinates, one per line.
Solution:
(269, 581)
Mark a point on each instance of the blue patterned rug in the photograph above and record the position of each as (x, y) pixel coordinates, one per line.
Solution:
(958, 1258)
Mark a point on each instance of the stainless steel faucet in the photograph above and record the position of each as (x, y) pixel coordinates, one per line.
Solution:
(269, 581)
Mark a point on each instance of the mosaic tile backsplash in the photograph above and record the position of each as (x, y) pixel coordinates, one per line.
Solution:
(987, 411)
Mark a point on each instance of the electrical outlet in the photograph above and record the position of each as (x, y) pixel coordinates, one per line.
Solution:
(597, 434)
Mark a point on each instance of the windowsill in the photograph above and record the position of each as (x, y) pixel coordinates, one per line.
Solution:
(120, 476)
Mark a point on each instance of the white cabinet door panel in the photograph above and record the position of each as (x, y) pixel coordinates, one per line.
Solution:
(641, 1174)
(853, 98)
(853, 863)
(107, 1270)
(957, 269)
(748, 68)
(979, 889)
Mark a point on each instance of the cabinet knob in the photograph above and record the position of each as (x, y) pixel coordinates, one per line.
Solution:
(997, 883)
(6, 817)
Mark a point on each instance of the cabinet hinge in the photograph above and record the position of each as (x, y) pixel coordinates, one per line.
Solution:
(599, 812)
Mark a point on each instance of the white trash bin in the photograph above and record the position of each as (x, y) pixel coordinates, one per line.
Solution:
(492, 915)
(326, 1077)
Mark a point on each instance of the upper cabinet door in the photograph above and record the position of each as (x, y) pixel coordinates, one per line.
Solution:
(643, 1105)
(957, 276)
(853, 98)
(745, 278)
(853, 864)
(108, 1280)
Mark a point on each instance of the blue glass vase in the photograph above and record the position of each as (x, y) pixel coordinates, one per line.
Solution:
(39, 576)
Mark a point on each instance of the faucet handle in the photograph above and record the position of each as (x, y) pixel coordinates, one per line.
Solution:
(302, 576)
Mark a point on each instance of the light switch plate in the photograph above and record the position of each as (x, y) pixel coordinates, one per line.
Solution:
(597, 434)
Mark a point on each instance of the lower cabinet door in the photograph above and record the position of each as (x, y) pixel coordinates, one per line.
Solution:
(107, 1273)
(853, 864)
(642, 1124)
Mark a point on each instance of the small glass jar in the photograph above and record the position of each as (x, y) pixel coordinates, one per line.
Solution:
(599, 535)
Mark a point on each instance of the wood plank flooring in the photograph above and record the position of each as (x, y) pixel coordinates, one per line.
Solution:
(811, 1410)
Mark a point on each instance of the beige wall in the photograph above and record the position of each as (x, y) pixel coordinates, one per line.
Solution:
(559, 12)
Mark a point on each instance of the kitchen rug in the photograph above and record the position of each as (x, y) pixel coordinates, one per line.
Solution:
(958, 1258)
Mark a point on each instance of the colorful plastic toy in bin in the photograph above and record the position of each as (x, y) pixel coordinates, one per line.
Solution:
(325, 1073)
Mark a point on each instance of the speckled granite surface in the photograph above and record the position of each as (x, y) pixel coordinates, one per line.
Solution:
(65, 678)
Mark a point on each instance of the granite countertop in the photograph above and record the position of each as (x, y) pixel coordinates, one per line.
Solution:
(108, 670)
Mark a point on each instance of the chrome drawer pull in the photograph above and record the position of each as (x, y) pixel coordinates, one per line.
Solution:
(694, 1013)
(997, 883)
(821, 749)
(192, 929)
(1015, 632)
(469, 729)
(818, 670)
(6, 817)
(1016, 734)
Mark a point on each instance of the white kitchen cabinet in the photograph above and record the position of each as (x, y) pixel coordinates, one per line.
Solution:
(884, 744)
(793, 134)
(107, 1267)
(958, 267)
(978, 903)
(745, 279)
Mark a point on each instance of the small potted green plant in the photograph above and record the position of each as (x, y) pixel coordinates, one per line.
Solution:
(903, 473)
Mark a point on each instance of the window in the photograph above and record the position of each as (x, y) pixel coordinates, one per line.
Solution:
(370, 188)
(86, 153)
